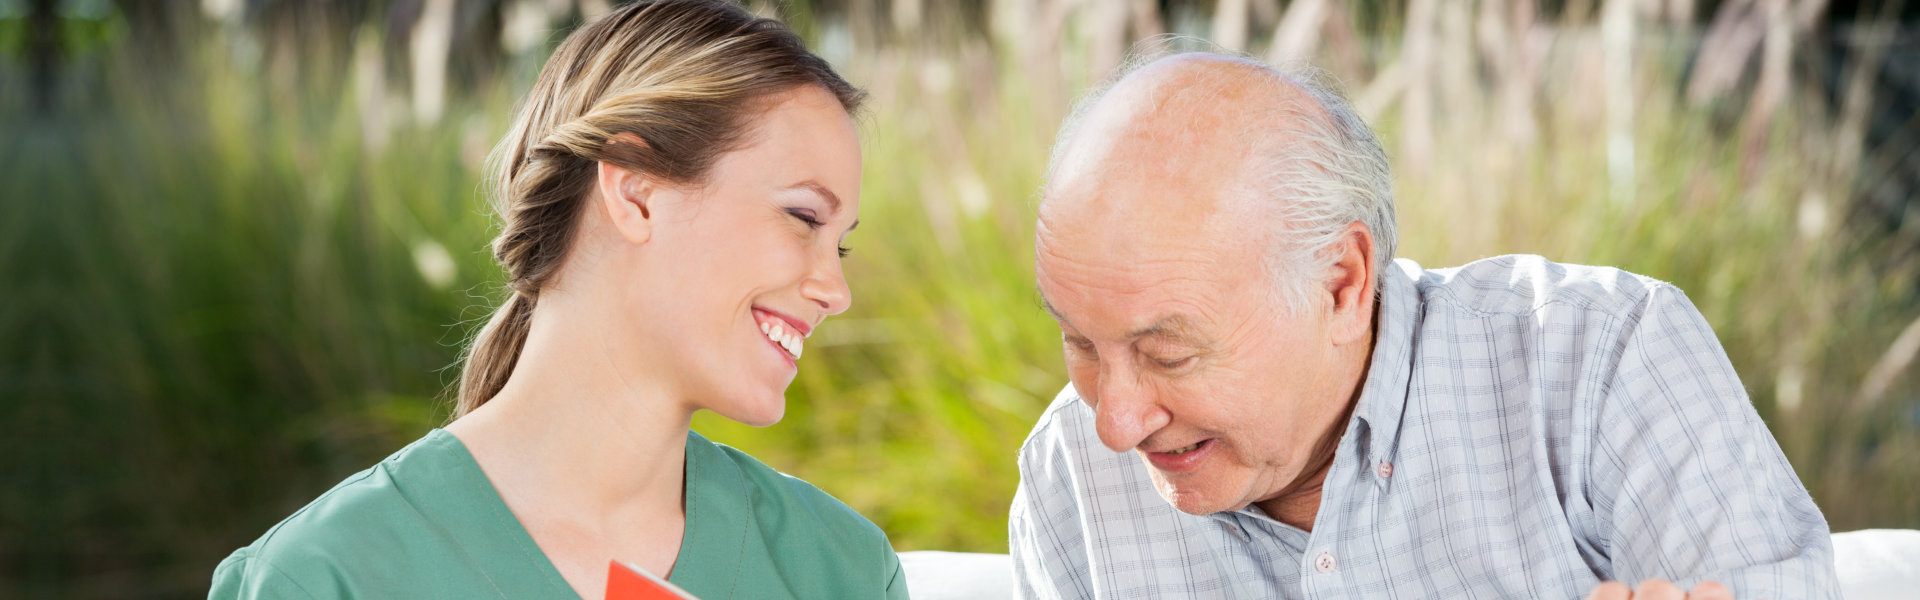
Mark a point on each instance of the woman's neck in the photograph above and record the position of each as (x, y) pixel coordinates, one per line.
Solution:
(577, 431)
(587, 452)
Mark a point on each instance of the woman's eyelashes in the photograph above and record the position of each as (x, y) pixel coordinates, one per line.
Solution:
(806, 215)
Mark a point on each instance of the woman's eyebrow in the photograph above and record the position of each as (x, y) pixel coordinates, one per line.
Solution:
(833, 201)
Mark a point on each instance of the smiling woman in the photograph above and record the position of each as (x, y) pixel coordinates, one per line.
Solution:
(674, 194)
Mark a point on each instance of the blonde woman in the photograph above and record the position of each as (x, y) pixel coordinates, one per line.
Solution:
(673, 193)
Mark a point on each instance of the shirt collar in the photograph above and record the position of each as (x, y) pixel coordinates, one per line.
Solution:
(1383, 397)
(719, 518)
(440, 477)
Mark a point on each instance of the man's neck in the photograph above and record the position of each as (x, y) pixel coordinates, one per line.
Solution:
(1299, 504)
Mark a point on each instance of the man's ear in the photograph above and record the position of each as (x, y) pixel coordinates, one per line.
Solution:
(1350, 282)
(626, 195)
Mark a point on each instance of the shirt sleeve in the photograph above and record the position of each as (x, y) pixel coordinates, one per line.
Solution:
(1044, 531)
(243, 576)
(1686, 482)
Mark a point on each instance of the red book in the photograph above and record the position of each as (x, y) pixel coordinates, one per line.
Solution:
(627, 581)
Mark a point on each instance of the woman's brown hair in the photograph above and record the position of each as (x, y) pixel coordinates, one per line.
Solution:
(685, 76)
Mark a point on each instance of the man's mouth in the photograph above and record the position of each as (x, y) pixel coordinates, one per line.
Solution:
(1182, 459)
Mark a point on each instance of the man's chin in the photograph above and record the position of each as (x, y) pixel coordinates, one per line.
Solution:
(1192, 501)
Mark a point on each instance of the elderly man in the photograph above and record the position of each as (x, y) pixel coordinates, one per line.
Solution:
(1265, 405)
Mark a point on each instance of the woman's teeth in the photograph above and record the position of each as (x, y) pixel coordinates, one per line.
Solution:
(792, 341)
(1185, 449)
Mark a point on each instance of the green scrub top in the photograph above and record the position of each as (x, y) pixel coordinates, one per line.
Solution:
(426, 523)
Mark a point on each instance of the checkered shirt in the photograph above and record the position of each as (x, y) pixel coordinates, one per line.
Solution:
(1526, 430)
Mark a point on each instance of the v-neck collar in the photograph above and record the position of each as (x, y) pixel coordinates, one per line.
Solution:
(719, 519)
(456, 496)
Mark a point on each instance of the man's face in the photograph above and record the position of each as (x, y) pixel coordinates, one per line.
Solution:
(1153, 260)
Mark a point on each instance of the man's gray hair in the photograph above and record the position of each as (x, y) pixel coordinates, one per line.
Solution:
(1324, 170)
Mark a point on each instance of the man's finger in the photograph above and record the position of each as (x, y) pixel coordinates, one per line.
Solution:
(1612, 590)
(1710, 590)
(1658, 589)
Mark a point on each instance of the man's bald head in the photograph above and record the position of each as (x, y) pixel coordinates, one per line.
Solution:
(1199, 105)
(1287, 162)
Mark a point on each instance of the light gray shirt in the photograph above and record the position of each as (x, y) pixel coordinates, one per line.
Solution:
(1526, 430)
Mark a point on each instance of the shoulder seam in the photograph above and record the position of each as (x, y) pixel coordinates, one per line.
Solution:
(354, 479)
(1450, 296)
(1048, 420)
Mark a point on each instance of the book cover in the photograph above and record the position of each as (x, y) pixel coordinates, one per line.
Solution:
(627, 581)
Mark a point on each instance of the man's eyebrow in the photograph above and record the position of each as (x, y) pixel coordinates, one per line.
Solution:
(1175, 327)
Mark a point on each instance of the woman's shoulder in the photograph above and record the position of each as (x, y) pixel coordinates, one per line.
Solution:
(364, 503)
(372, 521)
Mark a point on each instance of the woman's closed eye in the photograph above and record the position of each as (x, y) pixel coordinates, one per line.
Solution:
(806, 215)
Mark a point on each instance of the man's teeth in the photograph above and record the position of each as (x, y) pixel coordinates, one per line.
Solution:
(1184, 449)
(792, 341)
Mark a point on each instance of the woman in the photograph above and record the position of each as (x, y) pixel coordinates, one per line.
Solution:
(674, 192)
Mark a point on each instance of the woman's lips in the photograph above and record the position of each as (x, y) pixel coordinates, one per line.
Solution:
(1182, 460)
(790, 322)
(779, 331)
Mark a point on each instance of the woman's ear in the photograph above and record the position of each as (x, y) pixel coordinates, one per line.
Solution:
(626, 196)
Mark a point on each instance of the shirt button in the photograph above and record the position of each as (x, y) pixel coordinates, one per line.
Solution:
(1386, 469)
(1323, 563)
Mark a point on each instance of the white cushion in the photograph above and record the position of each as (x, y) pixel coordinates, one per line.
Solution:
(1878, 564)
(1873, 564)
(933, 575)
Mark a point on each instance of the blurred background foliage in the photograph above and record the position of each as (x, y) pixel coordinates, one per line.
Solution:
(244, 240)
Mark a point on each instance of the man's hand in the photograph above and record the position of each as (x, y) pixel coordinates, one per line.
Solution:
(1660, 589)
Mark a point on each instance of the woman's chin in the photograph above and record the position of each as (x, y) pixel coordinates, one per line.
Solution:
(756, 414)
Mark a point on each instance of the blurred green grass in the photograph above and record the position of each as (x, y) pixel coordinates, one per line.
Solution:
(244, 282)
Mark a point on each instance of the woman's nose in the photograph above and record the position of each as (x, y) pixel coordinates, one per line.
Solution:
(827, 288)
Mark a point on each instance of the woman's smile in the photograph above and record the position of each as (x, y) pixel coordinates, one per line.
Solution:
(787, 333)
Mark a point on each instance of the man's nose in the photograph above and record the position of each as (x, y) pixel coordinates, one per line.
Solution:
(1126, 410)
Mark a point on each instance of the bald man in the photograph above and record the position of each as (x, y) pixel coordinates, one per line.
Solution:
(1263, 404)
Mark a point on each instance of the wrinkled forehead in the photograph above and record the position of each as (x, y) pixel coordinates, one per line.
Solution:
(1135, 262)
